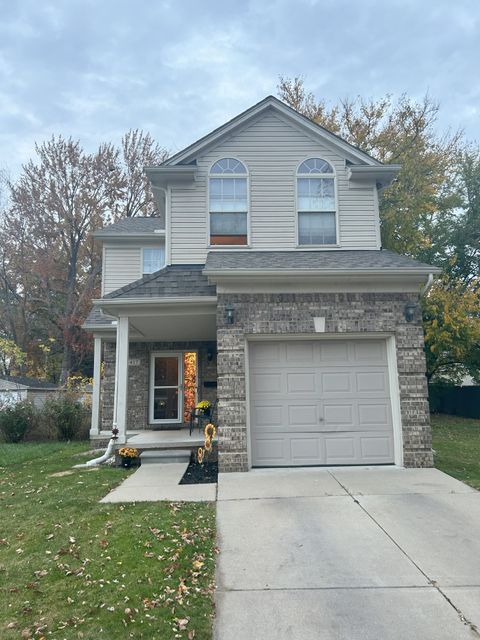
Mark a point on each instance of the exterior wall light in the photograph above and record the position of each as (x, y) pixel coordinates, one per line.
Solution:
(229, 315)
(409, 311)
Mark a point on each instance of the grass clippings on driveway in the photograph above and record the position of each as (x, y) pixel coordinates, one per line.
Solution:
(457, 445)
(71, 568)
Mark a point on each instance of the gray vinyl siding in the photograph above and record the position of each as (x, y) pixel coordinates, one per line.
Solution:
(271, 149)
(122, 264)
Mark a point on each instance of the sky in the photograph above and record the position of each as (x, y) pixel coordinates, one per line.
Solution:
(179, 68)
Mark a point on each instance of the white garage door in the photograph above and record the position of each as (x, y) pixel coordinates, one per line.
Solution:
(320, 402)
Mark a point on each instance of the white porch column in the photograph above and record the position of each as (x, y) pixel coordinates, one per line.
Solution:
(97, 372)
(121, 379)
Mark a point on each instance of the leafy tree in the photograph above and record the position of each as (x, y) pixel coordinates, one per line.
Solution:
(451, 313)
(11, 356)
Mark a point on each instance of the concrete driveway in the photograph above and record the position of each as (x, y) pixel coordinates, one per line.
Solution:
(347, 554)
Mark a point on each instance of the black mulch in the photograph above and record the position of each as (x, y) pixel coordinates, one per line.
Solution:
(200, 473)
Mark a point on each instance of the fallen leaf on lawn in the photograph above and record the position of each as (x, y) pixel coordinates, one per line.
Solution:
(71, 539)
(191, 634)
(197, 564)
(50, 536)
(19, 550)
(181, 623)
(41, 574)
(11, 625)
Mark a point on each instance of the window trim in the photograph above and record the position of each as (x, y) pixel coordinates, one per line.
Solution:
(236, 247)
(157, 246)
(333, 175)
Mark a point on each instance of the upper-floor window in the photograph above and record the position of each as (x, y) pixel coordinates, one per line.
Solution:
(153, 259)
(316, 204)
(228, 203)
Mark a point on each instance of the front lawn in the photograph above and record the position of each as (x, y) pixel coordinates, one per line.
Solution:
(71, 568)
(457, 445)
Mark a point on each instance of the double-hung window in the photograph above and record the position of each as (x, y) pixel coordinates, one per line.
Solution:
(228, 203)
(316, 203)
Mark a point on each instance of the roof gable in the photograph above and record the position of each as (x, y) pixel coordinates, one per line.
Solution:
(245, 118)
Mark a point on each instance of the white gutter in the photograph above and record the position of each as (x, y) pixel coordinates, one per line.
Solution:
(110, 302)
(280, 273)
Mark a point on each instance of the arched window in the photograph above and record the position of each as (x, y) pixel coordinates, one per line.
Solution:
(228, 203)
(316, 203)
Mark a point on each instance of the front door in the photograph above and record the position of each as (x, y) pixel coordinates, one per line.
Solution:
(166, 391)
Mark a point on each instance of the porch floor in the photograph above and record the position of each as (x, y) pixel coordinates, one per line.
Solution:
(171, 439)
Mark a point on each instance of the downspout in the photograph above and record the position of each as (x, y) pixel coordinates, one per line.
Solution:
(103, 458)
(426, 288)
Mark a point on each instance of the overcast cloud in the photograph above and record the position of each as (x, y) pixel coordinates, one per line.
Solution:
(179, 68)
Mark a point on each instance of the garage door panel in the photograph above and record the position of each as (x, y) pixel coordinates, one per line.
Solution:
(335, 351)
(301, 382)
(369, 351)
(336, 382)
(269, 352)
(371, 382)
(305, 450)
(374, 415)
(299, 352)
(336, 415)
(270, 451)
(268, 416)
(316, 402)
(376, 449)
(304, 415)
(267, 382)
(340, 450)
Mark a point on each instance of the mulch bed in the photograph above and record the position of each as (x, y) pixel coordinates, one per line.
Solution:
(200, 473)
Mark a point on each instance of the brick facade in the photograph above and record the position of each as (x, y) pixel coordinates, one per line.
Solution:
(139, 379)
(284, 314)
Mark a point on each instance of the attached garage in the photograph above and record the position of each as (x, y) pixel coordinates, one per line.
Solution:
(320, 402)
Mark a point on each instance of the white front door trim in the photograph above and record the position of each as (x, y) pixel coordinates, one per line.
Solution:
(392, 376)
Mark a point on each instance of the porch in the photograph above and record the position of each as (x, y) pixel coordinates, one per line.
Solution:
(150, 370)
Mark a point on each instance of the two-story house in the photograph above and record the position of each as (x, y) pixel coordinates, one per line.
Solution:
(263, 283)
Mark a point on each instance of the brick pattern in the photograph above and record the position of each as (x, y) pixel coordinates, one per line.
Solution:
(285, 314)
(139, 379)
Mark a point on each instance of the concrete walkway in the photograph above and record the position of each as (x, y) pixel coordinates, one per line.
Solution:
(159, 481)
(347, 554)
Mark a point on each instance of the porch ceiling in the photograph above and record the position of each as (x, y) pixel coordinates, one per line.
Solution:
(174, 328)
(166, 319)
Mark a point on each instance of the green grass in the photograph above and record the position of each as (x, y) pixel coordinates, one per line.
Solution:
(457, 445)
(71, 568)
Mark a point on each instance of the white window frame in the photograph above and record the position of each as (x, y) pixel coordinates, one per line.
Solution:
(333, 176)
(146, 247)
(228, 176)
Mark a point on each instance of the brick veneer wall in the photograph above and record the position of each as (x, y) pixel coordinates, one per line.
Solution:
(293, 314)
(139, 378)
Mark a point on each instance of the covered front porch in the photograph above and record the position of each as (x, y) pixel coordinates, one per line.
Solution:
(151, 367)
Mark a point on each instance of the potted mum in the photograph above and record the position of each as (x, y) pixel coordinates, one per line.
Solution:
(128, 455)
(204, 407)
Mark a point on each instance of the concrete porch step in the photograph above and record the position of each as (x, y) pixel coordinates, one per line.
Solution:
(165, 456)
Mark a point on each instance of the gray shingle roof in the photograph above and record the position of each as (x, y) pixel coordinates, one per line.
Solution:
(97, 318)
(178, 280)
(315, 260)
(132, 225)
(32, 383)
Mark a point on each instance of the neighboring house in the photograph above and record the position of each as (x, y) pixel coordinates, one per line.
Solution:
(265, 269)
(14, 389)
